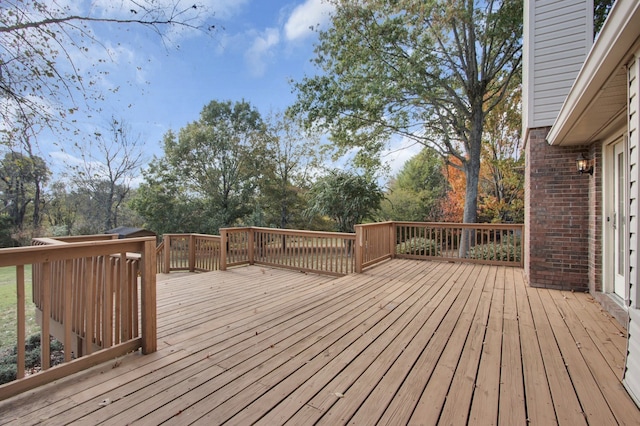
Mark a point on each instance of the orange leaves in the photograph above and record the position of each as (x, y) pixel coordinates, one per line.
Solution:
(452, 205)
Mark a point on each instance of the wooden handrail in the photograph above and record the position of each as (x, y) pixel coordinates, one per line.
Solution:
(345, 253)
(489, 243)
(329, 253)
(85, 291)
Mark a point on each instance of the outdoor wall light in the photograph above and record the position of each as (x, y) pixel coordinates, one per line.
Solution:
(583, 166)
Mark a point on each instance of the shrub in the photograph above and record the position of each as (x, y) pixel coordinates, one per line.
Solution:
(9, 357)
(8, 373)
(32, 342)
(419, 246)
(506, 251)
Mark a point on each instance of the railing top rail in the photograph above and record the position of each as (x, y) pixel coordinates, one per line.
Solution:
(49, 241)
(79, 238)
(191, 235)
(237, 229)
(214, 237)
(464, 225)
(387, 223)
(343, 235)
(49, 253)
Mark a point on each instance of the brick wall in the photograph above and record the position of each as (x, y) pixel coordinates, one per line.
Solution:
(558, 218)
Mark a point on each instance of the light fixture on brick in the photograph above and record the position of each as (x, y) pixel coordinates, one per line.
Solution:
(583, 166)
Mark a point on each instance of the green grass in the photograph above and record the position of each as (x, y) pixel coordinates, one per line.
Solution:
(9, 308)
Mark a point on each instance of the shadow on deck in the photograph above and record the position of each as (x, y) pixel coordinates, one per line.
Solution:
(405, 342)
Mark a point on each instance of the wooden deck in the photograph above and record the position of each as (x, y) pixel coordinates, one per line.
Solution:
(406, 342)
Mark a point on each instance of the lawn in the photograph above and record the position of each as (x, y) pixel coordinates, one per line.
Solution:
(8, 306)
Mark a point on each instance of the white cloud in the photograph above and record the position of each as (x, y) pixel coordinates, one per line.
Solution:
(69, 161)
(312, 13)
(261, 50)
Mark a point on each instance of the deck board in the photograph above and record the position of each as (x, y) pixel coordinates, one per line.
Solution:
(405, 342)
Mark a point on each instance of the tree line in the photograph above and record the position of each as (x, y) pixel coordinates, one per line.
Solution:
(234, 167)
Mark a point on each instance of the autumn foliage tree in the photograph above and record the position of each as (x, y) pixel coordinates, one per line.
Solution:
(452, 205)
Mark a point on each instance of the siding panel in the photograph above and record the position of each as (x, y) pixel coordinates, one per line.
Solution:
(558, 44)
(632, 370)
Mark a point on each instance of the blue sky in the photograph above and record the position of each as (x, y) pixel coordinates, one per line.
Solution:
(257, 48)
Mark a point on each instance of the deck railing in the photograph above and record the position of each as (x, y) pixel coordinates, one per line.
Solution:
(336, 253)
(310, 251)
(89, 296)
(489, 243)
(188, 252)
(330, 253)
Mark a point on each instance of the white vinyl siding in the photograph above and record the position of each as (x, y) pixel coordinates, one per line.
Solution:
(559, 35)
(633, 179)
(632, 371)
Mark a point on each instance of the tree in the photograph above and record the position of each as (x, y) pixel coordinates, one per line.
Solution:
(294, 155)
(41, 81)
(416, 192)
(345, 197)
(21, 140)
(601, 10)
(430, 71)
(502, 173)
(108, 167)
(62, 209)
(452, 205)
(20, 177)
(165, 202)
(217, 161)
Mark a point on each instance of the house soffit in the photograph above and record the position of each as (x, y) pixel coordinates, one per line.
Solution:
(596, 104)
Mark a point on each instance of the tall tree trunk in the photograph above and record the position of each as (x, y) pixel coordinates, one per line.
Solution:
(472, 176)
(36, 205)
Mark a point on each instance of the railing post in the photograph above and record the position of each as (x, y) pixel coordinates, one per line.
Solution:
(192, 252)
(148, 302)
(392, 239)
(167, 254)
(359, 249)
(251, 244)
(223, 249)
(522, 244)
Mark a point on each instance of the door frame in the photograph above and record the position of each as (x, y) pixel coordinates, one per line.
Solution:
(608, 197)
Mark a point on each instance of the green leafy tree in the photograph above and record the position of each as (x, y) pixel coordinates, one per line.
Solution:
(601, 10)
(20, 177)
(220, 156)
(417, 191)
(345, 197)
(165, 202)
(216, 165)
(294, 156)
(6, 231)
(430, 71)
(61, 210)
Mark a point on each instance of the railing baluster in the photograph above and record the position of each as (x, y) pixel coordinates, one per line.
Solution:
(68, 309)
(20, 291)
(45, 357)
